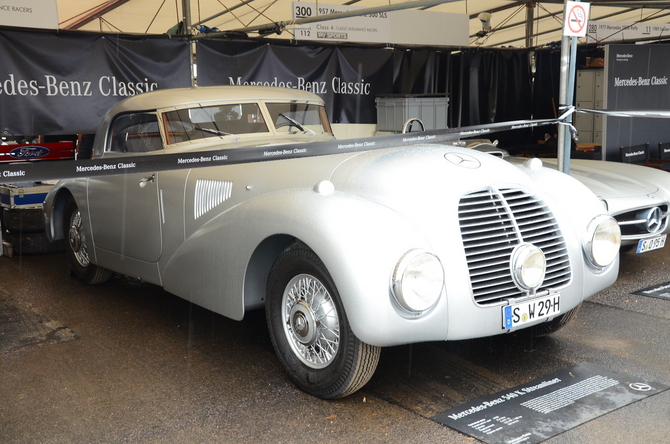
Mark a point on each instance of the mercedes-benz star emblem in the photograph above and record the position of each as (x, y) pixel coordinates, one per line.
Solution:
(654, 220)
(463, 160)
(640, 386)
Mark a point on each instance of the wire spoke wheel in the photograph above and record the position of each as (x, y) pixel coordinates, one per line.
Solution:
(309, 328)
(76, 247)
(77, 239)
(310, 321)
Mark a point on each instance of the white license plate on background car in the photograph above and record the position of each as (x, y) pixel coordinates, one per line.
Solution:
(651, 244)
(515, 315)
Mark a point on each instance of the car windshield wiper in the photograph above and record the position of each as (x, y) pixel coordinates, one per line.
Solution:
(296, 124)
(217, 132)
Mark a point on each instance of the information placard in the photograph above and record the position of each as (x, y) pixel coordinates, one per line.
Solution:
(371, 28)
(545, 407)
(398, 27)
(600, 32)
(660, 291)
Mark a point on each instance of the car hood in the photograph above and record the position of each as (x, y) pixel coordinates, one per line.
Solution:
(607, 180)
(424, 180)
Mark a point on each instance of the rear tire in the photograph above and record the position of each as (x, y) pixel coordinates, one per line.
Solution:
(76, 248)
(309, 328)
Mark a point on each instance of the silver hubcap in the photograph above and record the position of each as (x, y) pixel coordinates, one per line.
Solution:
(310, 321)
(77, 239)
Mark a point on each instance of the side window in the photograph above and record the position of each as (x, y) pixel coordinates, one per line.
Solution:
(135, 133)
(213, 121)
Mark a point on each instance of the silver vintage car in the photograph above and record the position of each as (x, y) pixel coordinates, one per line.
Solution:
(349, 251)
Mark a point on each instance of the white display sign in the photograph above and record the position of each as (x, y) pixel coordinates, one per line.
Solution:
(373, 28)
(615, 31)
(42, 14)
(399, 27)
(576, 18)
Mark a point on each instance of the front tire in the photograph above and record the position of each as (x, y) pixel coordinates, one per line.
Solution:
(76, 248)
(309, 328)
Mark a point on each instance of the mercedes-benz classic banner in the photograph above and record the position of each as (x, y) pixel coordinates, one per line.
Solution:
(348, 79)
(56, 83)
(637, 79)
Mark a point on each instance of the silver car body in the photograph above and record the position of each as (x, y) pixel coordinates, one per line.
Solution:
(211, 234)
(638, 197)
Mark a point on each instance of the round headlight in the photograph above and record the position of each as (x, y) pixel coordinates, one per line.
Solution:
(603, 241)
(417, 281)
(528, 266)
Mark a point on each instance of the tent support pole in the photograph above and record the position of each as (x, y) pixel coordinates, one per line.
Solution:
(566, 95)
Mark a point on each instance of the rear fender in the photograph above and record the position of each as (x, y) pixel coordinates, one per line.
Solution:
(54, 205)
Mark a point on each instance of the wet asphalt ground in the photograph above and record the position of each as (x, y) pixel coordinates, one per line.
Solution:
(125, 362)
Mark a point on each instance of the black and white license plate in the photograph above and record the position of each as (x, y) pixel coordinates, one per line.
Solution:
(515, 315)
(651, 244)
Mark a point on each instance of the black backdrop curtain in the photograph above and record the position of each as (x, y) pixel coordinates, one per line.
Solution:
(484, 85)
(492, 85)
(348, 78)
(64, 82)
(421, 71)
(545, 90)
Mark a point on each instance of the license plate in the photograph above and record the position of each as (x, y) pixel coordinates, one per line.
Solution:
(651, 244)
(519, 314)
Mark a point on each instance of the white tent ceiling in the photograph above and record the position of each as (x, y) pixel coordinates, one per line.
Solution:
(509, 18)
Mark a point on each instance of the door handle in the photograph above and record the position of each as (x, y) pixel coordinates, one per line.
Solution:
(145, 180)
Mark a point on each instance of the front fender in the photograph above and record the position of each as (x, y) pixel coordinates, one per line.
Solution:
(359, 241)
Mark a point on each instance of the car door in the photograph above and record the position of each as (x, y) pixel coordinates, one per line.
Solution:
(125, 209)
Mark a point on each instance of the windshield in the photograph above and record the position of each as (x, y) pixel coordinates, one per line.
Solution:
(299, 117)
(213, 121)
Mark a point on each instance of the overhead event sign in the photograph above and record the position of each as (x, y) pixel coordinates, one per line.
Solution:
(42, 14)
(599, 32)
(371, 28)
(407, 27)
(576, 18)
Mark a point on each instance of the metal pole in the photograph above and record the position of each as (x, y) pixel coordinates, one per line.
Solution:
(566, 96)
(530, 15)
(186, 14)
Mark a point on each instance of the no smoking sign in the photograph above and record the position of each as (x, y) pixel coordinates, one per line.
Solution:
(576, 16)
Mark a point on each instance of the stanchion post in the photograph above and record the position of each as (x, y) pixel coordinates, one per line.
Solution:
(566, 95)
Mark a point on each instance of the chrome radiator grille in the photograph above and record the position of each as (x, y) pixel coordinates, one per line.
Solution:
(634, 226)
(492, 223)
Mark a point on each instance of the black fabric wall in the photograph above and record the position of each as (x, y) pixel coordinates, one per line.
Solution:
(484, 85)
(63, 83)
